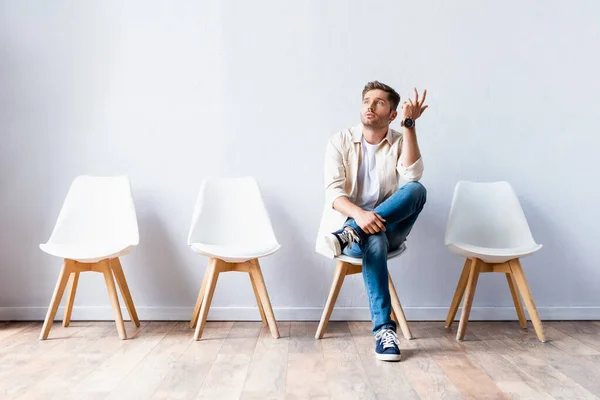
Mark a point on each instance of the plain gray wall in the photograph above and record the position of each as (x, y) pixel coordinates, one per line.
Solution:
(172, 92)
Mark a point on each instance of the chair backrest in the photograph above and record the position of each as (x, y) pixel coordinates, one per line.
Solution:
(230, 211)
(488, 215)
(97, 209)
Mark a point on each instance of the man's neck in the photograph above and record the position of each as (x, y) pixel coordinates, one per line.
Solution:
(374, 135)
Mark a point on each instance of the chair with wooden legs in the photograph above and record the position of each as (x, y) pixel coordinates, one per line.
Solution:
(488, 227)
(231, 226)
(349, 266)
(96, 225)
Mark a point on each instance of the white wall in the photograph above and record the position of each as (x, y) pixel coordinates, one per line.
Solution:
(172, 92)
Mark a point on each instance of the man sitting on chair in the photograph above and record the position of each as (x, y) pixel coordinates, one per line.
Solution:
(366, 213)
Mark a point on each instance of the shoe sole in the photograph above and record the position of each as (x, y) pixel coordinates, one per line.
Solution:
(334, 245)
(388, 357)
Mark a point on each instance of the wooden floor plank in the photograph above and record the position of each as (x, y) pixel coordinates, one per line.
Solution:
(10, 328)
(587, 332)
(507, 378)
(421, 370)
(107, 376)
(184, 380)
(268, 368)
(71, 362)
(468, 377)
(30, 359)
(505, 342)
(145, 378)
(227, 375)
(346, 375)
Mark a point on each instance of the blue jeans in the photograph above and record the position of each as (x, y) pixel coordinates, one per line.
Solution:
(400, 211)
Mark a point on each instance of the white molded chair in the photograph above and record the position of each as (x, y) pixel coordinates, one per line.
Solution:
(487, 226)
(231, 226)
(345, 266)
(96, 225)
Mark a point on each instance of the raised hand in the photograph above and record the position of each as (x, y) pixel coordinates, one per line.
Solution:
(414, 109)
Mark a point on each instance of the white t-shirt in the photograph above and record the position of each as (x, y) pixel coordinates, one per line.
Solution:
(368, 182)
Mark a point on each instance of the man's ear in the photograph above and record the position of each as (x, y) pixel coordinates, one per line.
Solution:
(393, 115)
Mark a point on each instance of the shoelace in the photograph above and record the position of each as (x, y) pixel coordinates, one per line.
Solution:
(388, 338)
(349, 236)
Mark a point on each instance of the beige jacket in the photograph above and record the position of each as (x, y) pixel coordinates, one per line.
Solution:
(342, 158)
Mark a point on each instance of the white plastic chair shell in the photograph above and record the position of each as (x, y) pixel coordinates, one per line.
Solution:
(231, 222)
(97, 221)
(486, 221)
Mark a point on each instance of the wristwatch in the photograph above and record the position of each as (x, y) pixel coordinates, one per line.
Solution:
(408, 123)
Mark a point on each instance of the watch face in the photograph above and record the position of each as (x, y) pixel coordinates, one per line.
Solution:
(409, 123)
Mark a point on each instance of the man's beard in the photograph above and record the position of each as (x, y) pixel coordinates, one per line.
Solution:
(374, 123)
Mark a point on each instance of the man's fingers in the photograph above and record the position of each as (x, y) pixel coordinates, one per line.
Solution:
(416, 96)
(380, 217)
(380, 225)
(424, 96)
(377, 226)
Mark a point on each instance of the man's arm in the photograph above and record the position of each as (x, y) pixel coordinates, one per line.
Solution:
(346, 207)
(335, 172)
(410, 147)
(410, 164)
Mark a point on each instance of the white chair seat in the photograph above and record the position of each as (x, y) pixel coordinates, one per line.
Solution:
(235, 253)
(492, 255)
(358, 261)
(87, 253)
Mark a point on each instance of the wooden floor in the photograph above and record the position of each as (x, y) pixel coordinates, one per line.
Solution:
(497, 360)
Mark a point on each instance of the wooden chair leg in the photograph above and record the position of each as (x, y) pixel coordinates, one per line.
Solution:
(59, 290)
(115, 265)
(263, 317)
(393, 316)
(211, 283)
(468, 302)
(114, 298)
(458, 294)
(196, 311)
(516, 299)
(261, 288)
(397, 307)
(519, 275)
(338, 279)
(73, 281)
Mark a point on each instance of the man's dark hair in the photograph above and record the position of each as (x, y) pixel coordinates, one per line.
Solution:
(393, 96)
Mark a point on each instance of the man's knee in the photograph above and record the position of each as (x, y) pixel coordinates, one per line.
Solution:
(377, 243)
(417, 191)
